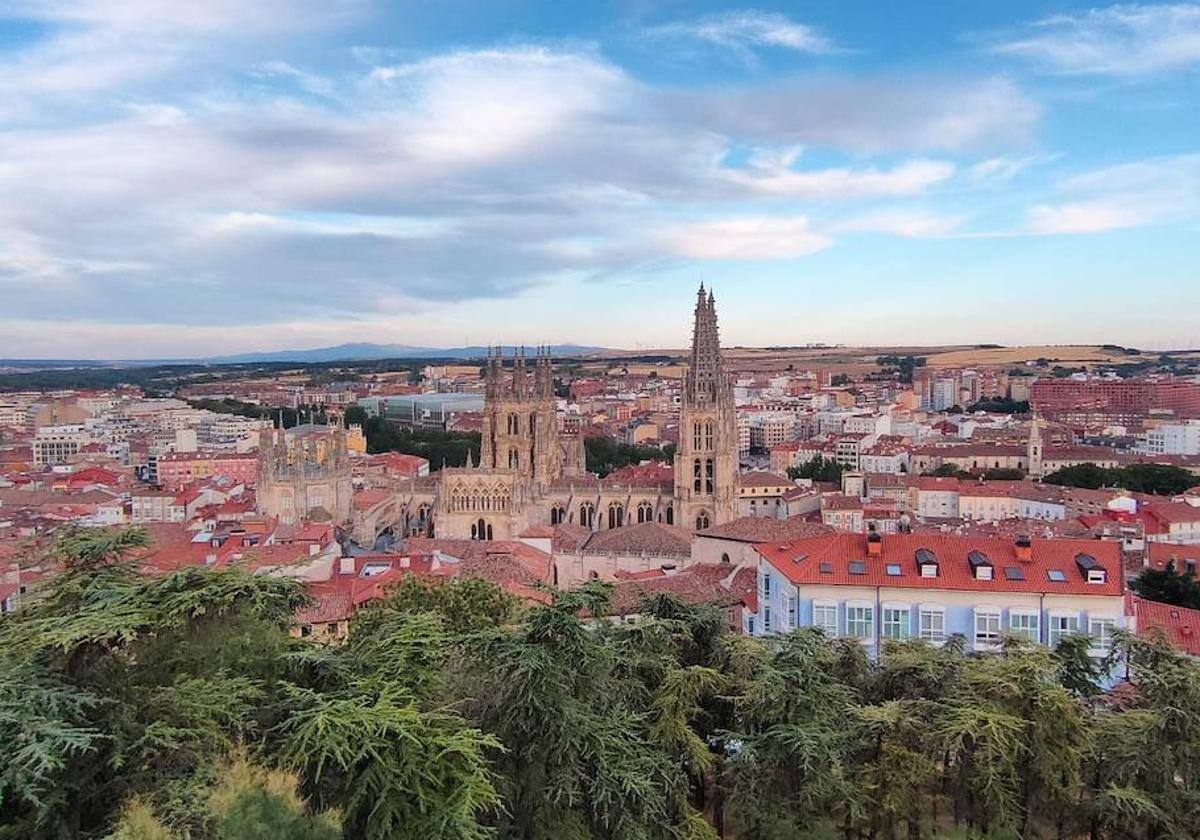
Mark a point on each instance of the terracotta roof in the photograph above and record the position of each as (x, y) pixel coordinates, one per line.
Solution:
(1158, 555)
(764, 479)
(646, 538)
(1179, 625)
(568, 537)
(701, 583)
(802, 561)
(756, 529)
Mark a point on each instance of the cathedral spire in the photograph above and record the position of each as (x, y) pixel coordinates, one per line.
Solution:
(706, 378)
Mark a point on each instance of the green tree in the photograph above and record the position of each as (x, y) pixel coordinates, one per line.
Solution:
(818, 469)
(1168, 586)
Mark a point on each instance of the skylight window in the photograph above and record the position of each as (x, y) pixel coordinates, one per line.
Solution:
(1014, 573)
(1057, 575)
(826, 568)
(893, 569)
(858, 567)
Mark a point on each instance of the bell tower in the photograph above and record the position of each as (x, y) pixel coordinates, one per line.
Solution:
(706, 466)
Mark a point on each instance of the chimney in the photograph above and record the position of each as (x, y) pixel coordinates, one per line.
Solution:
(874, 543)
(1024, 548)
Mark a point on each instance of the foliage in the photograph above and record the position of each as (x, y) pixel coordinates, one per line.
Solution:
(179, 708)
(1160, 479)
(604, 454)
(818, 469)
(903, 365)
(839, 379)
(290, 416)
(1168, 585)
(438, 447)
(1001, 405)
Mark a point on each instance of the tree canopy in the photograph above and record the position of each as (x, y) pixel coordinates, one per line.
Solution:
(179, 706)
(1160, 479)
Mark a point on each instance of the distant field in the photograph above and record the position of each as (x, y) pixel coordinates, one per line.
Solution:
(858, 359)
(1059, 354)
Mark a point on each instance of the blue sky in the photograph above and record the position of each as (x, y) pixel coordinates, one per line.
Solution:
(222, 175)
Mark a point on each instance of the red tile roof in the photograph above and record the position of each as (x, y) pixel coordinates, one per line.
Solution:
(1179, 625)
(801, 560)
(764, 529)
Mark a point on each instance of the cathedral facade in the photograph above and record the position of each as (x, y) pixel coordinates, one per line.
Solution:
(532, 474)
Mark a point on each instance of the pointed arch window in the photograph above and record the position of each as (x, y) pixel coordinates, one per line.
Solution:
(616, 515)
(708, 435)
(587, 515)
(697, 476)
(670, 515)
(702, 521)
(696, 435)
(708, 475)
(514, 459)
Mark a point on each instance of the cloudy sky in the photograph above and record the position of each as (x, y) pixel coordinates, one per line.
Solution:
(227, 175)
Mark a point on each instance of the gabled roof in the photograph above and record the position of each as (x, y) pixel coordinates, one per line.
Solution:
(755, 529)
(801, 561)
(1179, 625)
(646, 538)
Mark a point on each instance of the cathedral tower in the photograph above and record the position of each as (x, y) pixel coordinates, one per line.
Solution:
(706, 465)
(520, 420)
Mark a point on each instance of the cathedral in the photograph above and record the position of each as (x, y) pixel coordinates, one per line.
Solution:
(532, 474)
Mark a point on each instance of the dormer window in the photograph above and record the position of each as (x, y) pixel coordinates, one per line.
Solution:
(981, 566)
(1091, 569)
(927, 563)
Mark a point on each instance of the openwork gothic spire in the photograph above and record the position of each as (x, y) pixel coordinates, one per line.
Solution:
(706, 380)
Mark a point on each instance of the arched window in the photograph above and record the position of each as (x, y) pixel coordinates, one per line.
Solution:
(616, 515)
(697, 477)
(645, 512)
(702, 521)
(708, 435)
(587, 515)
(708, 475)
(514, 459)
(557, 514)
(513, 424)
(724, 558)
(696, 435)
(670, 516)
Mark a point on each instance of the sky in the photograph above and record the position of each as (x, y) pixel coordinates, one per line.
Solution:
(221, 176)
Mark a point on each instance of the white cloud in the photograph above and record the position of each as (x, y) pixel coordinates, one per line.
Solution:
(1121, 40)
(746, 238)
(1150, 191)
(780, 177)
(742, 31)
(485, 104)
(1083, 217)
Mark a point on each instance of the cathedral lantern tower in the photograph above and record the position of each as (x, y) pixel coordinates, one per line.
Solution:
(706, 465)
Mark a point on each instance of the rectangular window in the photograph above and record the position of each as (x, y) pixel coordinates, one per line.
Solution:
(766, 585)
(933, 624)
(895, 623)
(860, 622)
(825, 617)
(1024, 624)
(1062, 625)
(750, 625)
(767, 627)
(791, 605)
(987, 628)
(1101, 631)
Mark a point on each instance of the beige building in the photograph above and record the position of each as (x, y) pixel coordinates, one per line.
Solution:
(532, 473)
(304, 473)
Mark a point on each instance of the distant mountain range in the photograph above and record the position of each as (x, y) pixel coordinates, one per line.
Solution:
(366, 352)
(356, 352)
